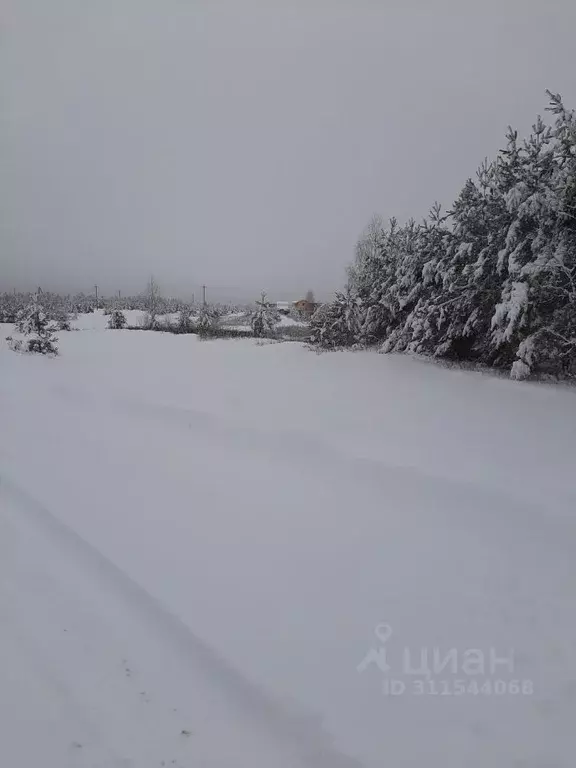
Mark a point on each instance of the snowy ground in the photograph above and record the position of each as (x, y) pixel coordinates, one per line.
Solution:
(98, 321)
(200, 537)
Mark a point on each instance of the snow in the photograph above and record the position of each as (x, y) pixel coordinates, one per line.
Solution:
(285, 320)
(98, 321)
(95, 673)
(235, 519)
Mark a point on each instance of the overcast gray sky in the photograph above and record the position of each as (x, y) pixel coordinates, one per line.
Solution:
(245, 143)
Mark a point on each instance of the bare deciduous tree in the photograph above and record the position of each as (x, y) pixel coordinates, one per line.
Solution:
(152, 302)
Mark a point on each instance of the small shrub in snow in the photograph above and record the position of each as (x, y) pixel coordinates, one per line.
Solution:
(520, 370)
(265, 318)
(10, 306)
(61, 319)
(336, 324)
(37, 329)
(117, 320)
(184, 323)
(208, 320)
(294, 332)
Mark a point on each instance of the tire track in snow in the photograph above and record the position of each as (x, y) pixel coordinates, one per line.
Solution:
(299, 734)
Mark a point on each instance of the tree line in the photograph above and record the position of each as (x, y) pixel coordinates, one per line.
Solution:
(493, 280)
(37, 317)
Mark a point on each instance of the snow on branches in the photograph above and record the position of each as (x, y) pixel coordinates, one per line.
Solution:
(493, 280)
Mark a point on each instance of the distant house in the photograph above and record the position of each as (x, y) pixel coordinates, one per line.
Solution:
(305, 308)
(284, 307)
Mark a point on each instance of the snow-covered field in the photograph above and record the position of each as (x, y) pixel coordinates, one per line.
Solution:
(199, 539)
(97, 321)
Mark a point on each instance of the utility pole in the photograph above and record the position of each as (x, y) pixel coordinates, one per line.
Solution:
(192, 299)
(96, 292)
(119, 294)
(204, 295)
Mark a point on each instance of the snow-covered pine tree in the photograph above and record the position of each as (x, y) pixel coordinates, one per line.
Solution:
(452, 319)
(363, 310)
(406, 290)
(10, 306)
(208, 320)
(264, 318)
(484, 227)
(527, 248)
(494, 281)
(117, 320)
(38, 331)
(548, 338)
(415, 291)
(454, 310)
(62, 317)
(337, 323)
(184, 323)
(533, 321)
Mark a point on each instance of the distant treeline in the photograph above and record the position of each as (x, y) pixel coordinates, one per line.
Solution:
(493, 280)
(13, 302)
(54, 312)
